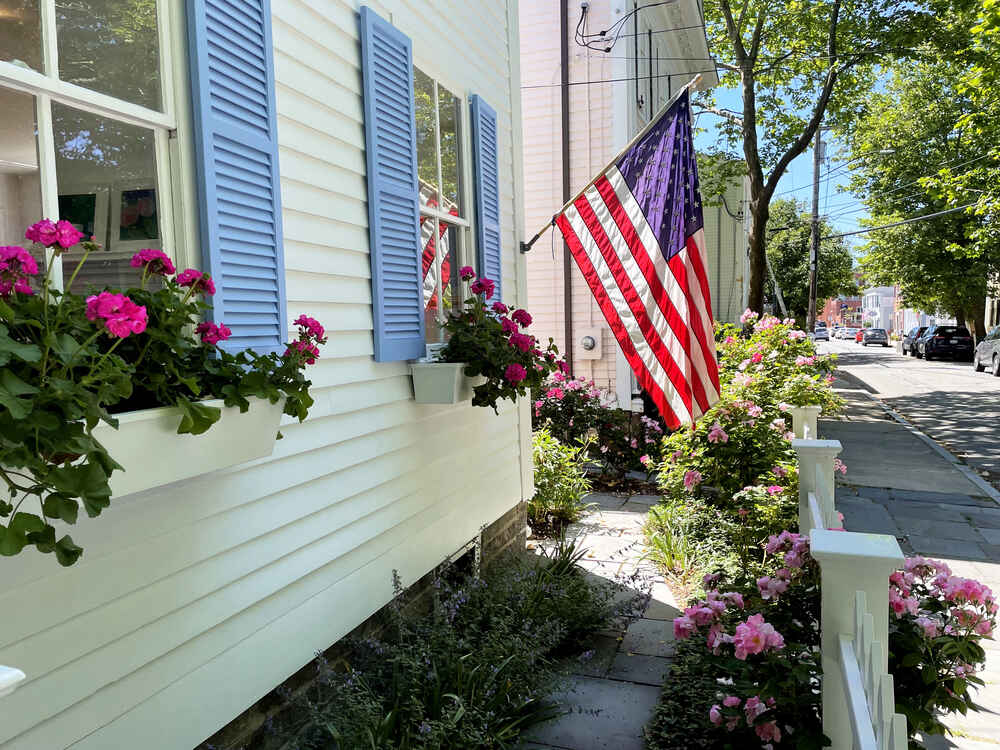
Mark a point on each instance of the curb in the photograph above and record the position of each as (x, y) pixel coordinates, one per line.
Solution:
(971, 474)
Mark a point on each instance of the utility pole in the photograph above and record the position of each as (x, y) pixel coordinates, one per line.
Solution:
(814, 234)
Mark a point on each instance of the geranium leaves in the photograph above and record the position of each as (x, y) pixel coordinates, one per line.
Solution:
(10, 349)
(196, 418)
(12, 391)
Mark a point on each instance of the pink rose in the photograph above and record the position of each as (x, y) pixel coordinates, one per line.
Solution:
(691, 479)
(717, 435)
(715, 715)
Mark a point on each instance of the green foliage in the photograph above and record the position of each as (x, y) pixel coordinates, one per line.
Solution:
(560, 483)
(788, 246)
(793, 65)
(61, 374)
(474, 672)
(908, 140)
(490, 341)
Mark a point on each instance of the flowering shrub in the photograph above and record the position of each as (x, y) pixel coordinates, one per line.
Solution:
(490, 339)
(68, 362)
(937, 623)
(574, 408)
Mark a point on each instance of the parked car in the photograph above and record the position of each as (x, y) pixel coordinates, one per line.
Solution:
(945, 341)
(847, 333)
(859, 335)
(988, 353)
(821, 334)
(874, 336)
(909, 340)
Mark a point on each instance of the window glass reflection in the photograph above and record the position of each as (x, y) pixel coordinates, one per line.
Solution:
(21, 33)
(111, 46)
(106, 173)
(423, 97)
(451, 168)
(20, 187)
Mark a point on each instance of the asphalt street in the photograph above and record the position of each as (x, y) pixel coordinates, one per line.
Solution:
(949, 401)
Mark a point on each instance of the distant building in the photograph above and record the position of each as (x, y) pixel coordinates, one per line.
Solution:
(878, 307)
(603, 118)
(842, 311)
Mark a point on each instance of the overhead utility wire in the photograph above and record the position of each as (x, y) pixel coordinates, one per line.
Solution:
(900, 223)
(617, 80)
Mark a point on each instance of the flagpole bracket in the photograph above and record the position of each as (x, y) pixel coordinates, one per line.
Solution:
(526, 246)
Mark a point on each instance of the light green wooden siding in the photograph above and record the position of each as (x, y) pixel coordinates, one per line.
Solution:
(725, 250)
(194, 600)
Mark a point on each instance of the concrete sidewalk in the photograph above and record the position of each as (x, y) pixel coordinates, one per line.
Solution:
(611, 694)
(899, 484)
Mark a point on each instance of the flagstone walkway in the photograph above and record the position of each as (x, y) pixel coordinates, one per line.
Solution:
(613, 690)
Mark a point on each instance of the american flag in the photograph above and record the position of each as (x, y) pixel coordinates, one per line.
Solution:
(434, 247)
(637, 234)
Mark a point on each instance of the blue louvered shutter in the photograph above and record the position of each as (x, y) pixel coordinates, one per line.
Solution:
(485, 162)
(236, 141)
(393, 193)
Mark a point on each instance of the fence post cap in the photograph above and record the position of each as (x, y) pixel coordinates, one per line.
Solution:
(822, 447)
(808, 407)
(844, 546)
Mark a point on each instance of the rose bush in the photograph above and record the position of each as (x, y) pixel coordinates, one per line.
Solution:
(70, 361)
(490, 339)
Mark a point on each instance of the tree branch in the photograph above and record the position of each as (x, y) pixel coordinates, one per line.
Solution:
(734, 32)
(758, 31)
(724, 113)
(809, 131)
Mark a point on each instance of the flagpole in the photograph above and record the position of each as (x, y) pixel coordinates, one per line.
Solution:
(526, 246)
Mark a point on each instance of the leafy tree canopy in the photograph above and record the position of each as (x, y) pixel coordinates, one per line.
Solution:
(788, 251)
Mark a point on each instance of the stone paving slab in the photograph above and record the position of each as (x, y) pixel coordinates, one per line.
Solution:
(868, 515)
(639, 668)
(650, 638)
(604, 714)
(922, 527)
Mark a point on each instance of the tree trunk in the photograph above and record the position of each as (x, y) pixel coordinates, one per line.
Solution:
(756, 250)
(960, 318)
(978, 315)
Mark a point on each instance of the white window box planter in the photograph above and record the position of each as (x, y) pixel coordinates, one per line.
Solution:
(9, 680)
(146, 443)
(442, 382)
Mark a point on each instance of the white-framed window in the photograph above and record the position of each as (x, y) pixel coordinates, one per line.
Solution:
(89, 124)
(444, 222)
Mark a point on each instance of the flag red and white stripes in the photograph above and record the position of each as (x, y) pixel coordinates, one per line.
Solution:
(637, 235)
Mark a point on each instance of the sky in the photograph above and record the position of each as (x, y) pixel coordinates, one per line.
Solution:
(843, 208)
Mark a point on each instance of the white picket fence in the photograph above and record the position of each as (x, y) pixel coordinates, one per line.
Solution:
(858, 698)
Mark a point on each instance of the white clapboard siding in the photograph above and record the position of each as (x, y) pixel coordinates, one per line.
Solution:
(193, 600)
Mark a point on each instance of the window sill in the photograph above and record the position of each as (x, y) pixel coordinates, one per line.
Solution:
(146, 443)
(442, 382)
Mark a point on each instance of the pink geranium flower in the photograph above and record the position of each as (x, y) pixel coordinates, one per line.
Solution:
(515, 373)
(118, 314)
(153, 261)
(16, 265)
(500, 308)
(50, 234)
(522, 318)
(483, 286)
(522, 342)
(305, 349)
(311, 327)
(212, 333)
(466, 272)
(197, 281)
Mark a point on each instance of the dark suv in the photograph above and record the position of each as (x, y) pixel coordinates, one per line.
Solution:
(874, 336)
(910, 340)
(945, 341)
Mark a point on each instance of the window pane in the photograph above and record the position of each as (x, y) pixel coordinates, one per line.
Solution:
(111, 46)
(106, 172)
(451, 172)
(423, 95)
(20, 188)
(438, 259)
(21, 33)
